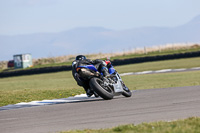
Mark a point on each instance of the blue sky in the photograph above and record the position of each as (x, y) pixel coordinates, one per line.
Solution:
(34, 16)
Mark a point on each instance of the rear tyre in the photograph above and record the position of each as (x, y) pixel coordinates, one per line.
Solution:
(105, 92)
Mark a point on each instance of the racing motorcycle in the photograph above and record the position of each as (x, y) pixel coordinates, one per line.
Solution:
(101, 86)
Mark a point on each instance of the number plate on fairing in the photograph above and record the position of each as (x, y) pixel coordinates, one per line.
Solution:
(118, 87)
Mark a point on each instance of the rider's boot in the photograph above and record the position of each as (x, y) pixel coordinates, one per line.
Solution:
(105, 72)
(89, 93)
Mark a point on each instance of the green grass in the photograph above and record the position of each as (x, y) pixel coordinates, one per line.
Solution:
(162, 80)
(157, 65)
(189, 125)
(61, 85)
(37, 87)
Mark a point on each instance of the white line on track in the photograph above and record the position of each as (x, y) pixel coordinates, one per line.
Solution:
(164, 70)
(196, 68)
(82, 97)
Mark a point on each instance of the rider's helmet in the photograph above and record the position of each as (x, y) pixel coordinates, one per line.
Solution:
(80, 57)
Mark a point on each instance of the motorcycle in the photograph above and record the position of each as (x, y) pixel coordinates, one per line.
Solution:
(101, 86)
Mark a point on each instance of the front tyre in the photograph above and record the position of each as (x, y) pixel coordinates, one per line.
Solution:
(126, 92)
(105, 92)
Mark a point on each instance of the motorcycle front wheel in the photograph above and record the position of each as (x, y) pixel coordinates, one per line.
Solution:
(105, 92)
(126, 92)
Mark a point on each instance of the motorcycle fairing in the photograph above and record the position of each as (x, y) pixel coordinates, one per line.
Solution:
(91, 67)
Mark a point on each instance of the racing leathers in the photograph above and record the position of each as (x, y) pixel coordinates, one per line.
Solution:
(100, 65)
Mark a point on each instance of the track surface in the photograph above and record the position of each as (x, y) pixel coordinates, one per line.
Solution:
(144, 106)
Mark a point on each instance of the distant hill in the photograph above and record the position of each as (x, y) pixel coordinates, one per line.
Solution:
(96, 39)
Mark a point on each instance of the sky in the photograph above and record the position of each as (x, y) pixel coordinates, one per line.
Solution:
(36, 16)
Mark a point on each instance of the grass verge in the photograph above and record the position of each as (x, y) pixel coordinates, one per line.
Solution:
(189, 125)
(162, 80)
(37, 87)
(61, 85)
(157, 65)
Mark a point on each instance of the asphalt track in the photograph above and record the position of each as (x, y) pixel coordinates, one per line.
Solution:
(144, 106)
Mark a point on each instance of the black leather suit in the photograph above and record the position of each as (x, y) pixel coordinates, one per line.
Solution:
(99, 64)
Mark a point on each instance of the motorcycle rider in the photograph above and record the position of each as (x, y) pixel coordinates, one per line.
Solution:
(81, 60)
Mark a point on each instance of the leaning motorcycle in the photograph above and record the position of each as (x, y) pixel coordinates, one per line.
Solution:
(101, 86)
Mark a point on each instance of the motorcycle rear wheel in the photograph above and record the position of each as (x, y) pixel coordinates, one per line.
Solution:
(105, 92)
